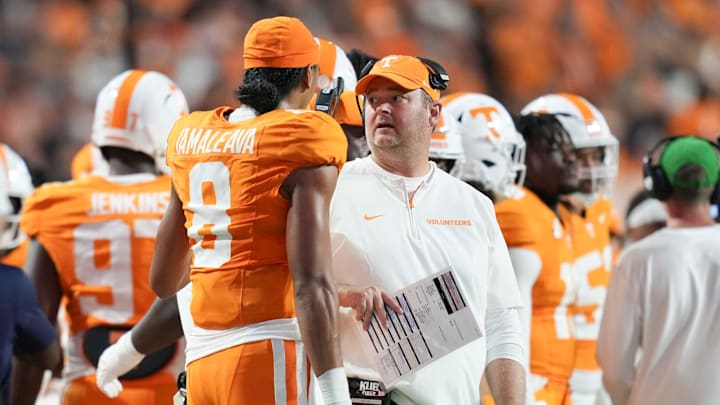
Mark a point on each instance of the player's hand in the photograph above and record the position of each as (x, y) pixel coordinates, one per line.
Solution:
(367, 301)
(115, 361)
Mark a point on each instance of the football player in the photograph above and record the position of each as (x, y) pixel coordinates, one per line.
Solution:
(91, 240)
(493, 159)
(590, 213)
(540, 246)
(248, 212)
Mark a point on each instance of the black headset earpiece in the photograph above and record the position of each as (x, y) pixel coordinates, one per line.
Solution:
(438, 77)
(655, 179)
(366, 69)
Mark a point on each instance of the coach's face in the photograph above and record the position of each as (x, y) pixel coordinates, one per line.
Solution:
(397, 119)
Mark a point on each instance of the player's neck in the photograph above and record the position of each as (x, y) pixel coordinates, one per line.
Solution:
(120, 167)
(295, 100)
(573, 204)
(550, 199)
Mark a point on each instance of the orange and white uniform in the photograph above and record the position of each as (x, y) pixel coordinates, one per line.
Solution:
(588, 130)
(227, 169)
(88, 160)
(100, 234)
(541, 250)
(593, 262)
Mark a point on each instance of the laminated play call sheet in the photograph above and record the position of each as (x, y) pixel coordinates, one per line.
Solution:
(436, 321)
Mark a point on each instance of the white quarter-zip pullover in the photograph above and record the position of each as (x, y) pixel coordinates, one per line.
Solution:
(392, 231)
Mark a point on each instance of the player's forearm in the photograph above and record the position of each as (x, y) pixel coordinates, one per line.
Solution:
(170, 264)
(160, 327)
(506, 379)
(26, 382)
(168, 275)
(317, 312)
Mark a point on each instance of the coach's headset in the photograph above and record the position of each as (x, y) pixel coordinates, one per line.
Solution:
(656, 180)
(438, 77)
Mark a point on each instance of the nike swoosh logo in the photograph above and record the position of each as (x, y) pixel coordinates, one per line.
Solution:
(371, 217)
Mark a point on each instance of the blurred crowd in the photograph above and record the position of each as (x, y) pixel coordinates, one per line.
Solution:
(651, 66)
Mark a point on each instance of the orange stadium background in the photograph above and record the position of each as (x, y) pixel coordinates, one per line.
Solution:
(651, 66)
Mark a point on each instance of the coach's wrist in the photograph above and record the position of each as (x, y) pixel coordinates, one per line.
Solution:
(344, 294)
(334, 387)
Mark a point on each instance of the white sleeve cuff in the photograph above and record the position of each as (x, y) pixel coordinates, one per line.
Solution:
(504, 336)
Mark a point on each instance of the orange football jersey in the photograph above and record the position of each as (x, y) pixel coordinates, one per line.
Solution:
(100, 235)
(228, 176)
(592, 265)
(528, 223)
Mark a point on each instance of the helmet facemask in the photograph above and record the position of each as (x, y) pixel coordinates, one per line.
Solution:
(597, 171)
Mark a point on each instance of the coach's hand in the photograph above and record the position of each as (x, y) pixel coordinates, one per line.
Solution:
(366, 301)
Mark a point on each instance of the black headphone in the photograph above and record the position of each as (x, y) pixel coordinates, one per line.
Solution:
(438, 77)
(655, 179)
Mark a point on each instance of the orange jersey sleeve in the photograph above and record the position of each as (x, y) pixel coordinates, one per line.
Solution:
(228, 176)
(100, 236)
(527, 223)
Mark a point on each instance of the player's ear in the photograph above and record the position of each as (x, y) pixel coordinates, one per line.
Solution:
(309, 80)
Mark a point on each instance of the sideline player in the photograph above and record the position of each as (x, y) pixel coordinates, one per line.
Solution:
(590, 212)
(493, 159)
(541, 252)
(92, 239)
(253, 185)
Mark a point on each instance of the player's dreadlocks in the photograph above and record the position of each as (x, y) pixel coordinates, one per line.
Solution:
(263, 88)
(544, 132)
(537, 127)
